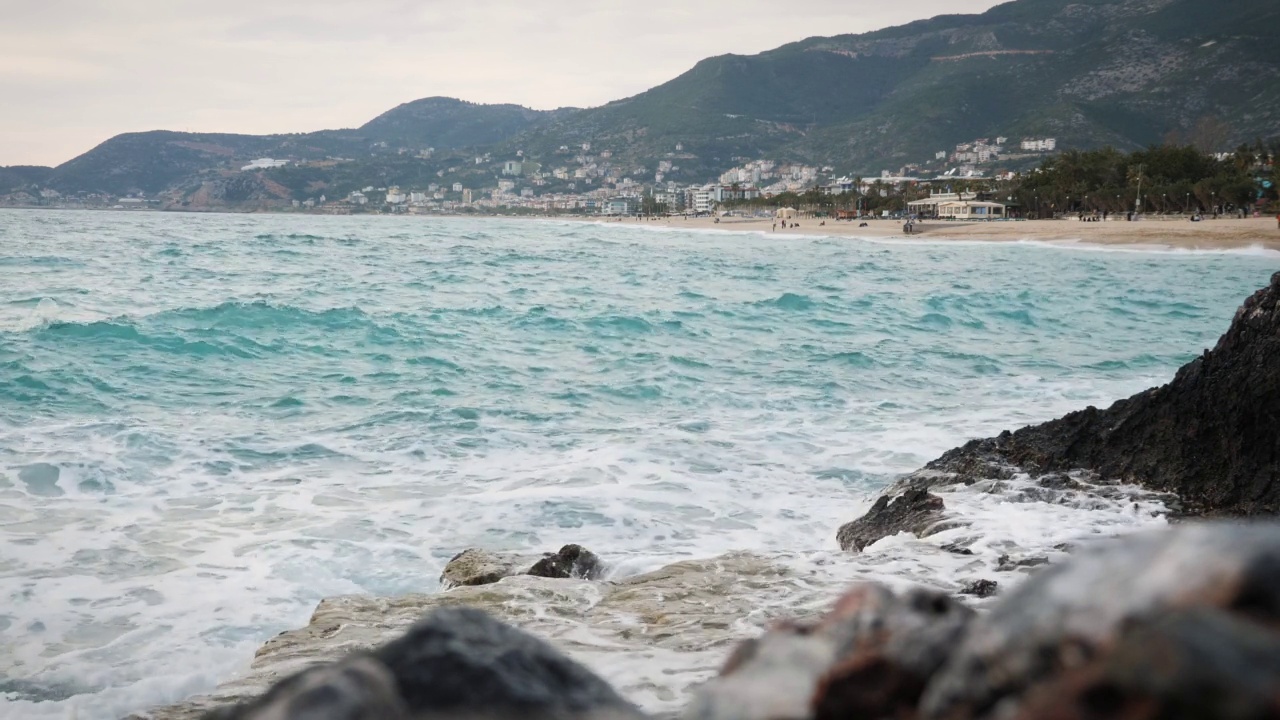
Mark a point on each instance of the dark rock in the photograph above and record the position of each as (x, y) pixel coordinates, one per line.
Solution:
(1210, 439)
(359, 688)
(957, 549)
(1070, 615)
(1008, 564)
(1197, 663)
(573, 561)
(871, 656)
(914, 510)
(457, 662)
(980, 588)
(1211, 436)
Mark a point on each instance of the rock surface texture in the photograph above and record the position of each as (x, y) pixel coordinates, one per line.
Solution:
(474, 566)
(1210, 439)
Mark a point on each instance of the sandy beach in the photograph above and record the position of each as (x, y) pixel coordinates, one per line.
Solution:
(1177, 233)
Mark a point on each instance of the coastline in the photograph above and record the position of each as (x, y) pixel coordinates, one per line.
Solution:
(1222, 234)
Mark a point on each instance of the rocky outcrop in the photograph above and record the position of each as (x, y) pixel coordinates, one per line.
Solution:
(1181, 623)
(573, 561)
(1210, 439)
(474, 566)
(455, 663)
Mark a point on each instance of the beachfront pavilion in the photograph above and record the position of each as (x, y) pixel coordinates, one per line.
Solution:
(971, 210)
(928, 207)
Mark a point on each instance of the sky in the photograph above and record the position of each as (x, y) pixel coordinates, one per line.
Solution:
(73, 73)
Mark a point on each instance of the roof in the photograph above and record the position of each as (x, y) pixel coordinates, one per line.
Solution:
(970, 203)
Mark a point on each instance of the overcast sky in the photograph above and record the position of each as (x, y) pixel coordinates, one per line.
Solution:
(75, 72)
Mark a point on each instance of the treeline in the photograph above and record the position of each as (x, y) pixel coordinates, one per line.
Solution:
(1161, 179)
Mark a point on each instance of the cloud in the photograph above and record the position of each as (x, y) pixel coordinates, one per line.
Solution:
(75, 72)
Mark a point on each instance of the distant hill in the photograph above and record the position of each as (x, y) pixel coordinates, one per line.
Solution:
(447, 123)
(155, 161)
(19, 177)
(1089, 73)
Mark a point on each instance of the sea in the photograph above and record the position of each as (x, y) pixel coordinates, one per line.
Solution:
(210, 422)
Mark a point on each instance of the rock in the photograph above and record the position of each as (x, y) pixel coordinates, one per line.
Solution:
(573, 561)
(474, 566)
(456, 663)
(870, 656)
(1070, 614)
(1198, 663)
(980, 588)
(359, 688)
(956, 549)
(914, 510)
(1209, 442)
(629, 630)
(461, 662)
(1008, 564)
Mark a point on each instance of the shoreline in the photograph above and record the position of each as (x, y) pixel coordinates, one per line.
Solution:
(1222, 234)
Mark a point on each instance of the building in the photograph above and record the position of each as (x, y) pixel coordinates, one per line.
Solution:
(264, 164)
(929, 207)
(466, 197)
(394, 196)
(512, 168)
(1045, 145)
(622, 205)
(457, 187)
(971, 210)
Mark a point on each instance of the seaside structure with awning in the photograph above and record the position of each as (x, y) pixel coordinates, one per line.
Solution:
(971, 210)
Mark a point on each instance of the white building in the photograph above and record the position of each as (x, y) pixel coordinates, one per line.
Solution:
(1045, 145)
(457, 187)
(264, 164)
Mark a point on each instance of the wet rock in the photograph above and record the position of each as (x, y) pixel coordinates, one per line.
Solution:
(1198, 663)
(456, 663)
(461, 662)
(956, 549)
(1068, 615)
(1211, 436)
(980, 588)
(474, 566)
(1208, 442)
(1009, 564)
(359, 688)
(913, 510)
(870, 656)
(573, 561)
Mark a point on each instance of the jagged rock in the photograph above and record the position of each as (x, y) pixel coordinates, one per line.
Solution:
(1210, 439)
(915, 510)
(1009, 564)
(956, 549)
(456, 663)
(573, 561)
(871, 656)
(1070, 614)
(474, 566)
(1211, 436)
(982, 588)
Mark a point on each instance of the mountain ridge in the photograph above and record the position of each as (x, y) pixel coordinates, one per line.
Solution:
(1091, 73)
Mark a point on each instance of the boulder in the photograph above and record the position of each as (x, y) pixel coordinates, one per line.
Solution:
(915, 510)
(871, 656)
(1209, 441)
(457, 662)
(474, 566)
(981, 588)
(573, 561)
(1098, 619)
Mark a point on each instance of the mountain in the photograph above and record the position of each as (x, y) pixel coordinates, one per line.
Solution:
(20, 177)
(448, 123)
(1088, 72)
(160, 160)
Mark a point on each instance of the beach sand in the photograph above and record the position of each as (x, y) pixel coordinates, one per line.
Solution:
(1177, 233)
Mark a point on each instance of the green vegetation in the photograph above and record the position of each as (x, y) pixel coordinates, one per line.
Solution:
(1169, 178)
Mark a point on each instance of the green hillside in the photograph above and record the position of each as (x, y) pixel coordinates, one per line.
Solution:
(1090, 73)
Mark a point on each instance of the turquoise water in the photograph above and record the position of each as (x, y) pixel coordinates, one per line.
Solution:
(209, 422)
